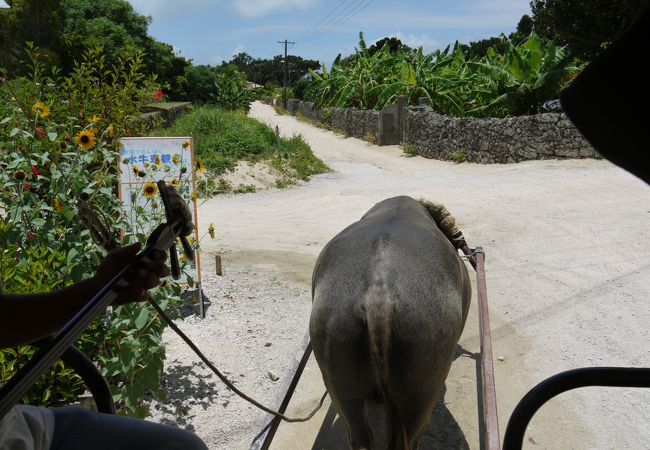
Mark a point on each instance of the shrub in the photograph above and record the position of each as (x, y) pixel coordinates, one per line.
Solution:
(410, 149)
(221, 138)
(60, 210)
(245, 189)
(458, 157)
(232, 93)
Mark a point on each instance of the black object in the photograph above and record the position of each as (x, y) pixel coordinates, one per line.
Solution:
(565, 381)
(609, 101)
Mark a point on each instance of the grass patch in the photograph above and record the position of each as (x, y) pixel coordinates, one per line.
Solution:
(369, 137)
(296, 160)
(458, 157)
(282, 183)
(317, 123)
(280, 110)
(410, 150)
(244, 189)
(223, 137)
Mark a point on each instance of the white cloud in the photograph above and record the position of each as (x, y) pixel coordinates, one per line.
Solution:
(259, 8)
(239, 49)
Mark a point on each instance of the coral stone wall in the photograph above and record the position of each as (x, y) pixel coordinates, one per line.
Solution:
(490, 140)
(513, 139)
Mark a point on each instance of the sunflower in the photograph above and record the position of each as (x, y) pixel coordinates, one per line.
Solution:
(58, 204)
(186, 144)
(200, 168)
(150, 190)
(176, 158)
(41, 109)
(157, 161)
(211, 230)
(95, 118)
(175, 182)
(135, 170)
(86, 138)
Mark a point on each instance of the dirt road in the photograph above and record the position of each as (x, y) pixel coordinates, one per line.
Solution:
(567, 272)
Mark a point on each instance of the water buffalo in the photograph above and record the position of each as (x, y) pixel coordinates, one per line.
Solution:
(390, 298)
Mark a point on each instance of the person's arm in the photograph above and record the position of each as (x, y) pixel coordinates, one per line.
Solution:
(26, 318)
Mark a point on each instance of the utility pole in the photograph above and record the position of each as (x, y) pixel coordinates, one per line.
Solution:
(286, 69)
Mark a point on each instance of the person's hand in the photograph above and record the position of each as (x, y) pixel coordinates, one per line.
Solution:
(146, 277)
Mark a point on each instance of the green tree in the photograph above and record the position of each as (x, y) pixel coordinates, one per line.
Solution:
(584, 26)
(393, 43)
(37, 21)
(524, 29)
(263, 71)
(478, 49)
(200, 82)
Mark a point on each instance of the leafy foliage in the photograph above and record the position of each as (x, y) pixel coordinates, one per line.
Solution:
(515, 81)
(40, 22)
(225, 87)
(64, 30)
(271, 71)
(222, 137)
(232, 93)
(523, 77)
(584, 26)
(59, 136)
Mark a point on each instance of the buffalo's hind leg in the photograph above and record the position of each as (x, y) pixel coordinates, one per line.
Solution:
(354, 415)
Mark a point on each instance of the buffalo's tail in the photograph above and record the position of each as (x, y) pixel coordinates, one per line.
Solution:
(379, 304)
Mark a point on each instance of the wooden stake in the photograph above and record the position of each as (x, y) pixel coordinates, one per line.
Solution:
(217, 264)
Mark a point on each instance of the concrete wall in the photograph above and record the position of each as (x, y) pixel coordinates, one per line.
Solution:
(492, 140)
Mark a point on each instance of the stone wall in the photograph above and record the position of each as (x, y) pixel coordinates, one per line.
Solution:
(359, 123)
(491, 140)
(513, 139)
(167, 111)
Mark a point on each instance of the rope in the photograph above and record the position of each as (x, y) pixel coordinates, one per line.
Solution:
(225, 380)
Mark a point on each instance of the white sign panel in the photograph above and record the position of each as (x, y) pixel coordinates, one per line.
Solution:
(144, 161)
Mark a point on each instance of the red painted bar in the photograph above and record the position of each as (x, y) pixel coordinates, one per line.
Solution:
(490, 416)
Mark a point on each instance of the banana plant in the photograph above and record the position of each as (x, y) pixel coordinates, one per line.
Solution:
(521, 79)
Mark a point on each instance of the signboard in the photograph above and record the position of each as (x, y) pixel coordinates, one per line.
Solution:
(144, 161)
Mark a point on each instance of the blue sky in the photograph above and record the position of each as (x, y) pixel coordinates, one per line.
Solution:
(210, 31)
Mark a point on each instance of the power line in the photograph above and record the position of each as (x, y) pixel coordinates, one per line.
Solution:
(332, 20)
(318, 23)
(333, 25)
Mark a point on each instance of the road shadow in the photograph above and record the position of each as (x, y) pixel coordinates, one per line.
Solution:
(443, 432)
(185, 386)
